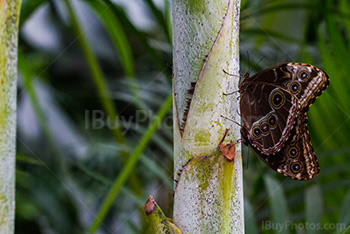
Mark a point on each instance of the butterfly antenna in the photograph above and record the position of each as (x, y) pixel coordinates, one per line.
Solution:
(259, 61)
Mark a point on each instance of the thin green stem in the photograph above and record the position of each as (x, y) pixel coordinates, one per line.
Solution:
(120, 41)
(141, 37)
(130, 165)
(105, 181)
(346, 229)
(97, 76)
(159, 18)
(104, 94)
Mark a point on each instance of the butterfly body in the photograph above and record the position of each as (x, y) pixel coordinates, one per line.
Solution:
(273, 104)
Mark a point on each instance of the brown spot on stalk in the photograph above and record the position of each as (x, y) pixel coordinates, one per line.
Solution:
(228, 150)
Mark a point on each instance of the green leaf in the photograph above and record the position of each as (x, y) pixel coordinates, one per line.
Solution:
(344, 213)
(160, 18)
(158, 171)
(143, 38)
(116, 32)
(278, 202)
(97, 176)
(96, 73)
(27, 9)
(314, 207)
(129, 166)
(346, 229)
(250, 222)
(120, 42)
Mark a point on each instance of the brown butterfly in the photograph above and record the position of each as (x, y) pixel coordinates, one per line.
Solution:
(273, 104)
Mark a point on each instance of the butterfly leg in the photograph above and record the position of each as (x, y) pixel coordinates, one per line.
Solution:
(227, 73)
(226, 94)
(232, 120)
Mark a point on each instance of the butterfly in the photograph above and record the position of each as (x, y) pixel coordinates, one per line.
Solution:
(274, 104)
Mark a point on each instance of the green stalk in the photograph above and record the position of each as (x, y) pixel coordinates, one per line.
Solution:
(9, 18)
(209, 192)
(130, 165)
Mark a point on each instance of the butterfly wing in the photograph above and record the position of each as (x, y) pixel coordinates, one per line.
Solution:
(296, 159)
(272, 100)
(305, 81)
(268, 116)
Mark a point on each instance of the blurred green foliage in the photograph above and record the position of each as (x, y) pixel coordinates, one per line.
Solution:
(116, 58)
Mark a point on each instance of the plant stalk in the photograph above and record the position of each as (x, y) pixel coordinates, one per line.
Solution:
(209, 192)
(9, 18)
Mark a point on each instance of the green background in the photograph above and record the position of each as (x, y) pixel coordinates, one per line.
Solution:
(117, 61)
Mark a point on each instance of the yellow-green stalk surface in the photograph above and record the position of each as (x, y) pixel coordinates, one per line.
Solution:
(9, 15)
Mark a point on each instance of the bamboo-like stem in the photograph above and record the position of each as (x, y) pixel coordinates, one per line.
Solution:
(209, 192)
(9, 17)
